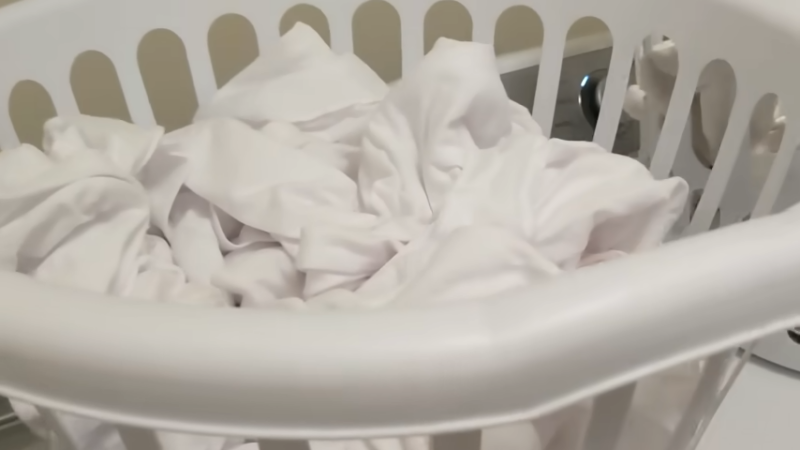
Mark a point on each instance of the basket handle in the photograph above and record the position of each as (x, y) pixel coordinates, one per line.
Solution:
(393, 372)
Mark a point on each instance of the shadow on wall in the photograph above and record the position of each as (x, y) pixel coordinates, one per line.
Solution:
(233, 45)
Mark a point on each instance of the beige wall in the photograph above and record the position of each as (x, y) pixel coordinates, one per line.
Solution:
(232, 45)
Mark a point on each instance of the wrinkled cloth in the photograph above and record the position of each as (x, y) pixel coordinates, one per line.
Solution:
(75, 215)
(444, 151)
(307, 184)
(716, 92)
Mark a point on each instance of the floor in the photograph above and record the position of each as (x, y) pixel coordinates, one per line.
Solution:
(18, 438)
(760, 412)
(15, 436)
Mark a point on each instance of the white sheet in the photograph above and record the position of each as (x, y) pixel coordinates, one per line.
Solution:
(307, 184)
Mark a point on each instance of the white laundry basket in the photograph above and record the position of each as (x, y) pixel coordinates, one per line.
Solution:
(441, 370)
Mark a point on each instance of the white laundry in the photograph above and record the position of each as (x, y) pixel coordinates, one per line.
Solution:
(261, 274)
(48, 222)
(302, 82)
(310, 208)
(76, 216)
(194, 238)
(307, 184)
(161, 280)
(128, 146)
(345, 158)
(716, 88)
(506, 206)
(451, 107)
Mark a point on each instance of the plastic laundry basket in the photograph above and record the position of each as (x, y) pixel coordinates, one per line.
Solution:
(465, 366)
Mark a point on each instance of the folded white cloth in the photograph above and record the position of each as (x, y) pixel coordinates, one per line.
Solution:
(307, 184)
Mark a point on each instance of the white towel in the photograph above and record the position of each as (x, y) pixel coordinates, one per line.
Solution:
(306, 184)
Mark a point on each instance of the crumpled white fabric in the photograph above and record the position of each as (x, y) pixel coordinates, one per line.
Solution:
(76, 216)
(302, 82)
(716, 89)
(306, 183)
